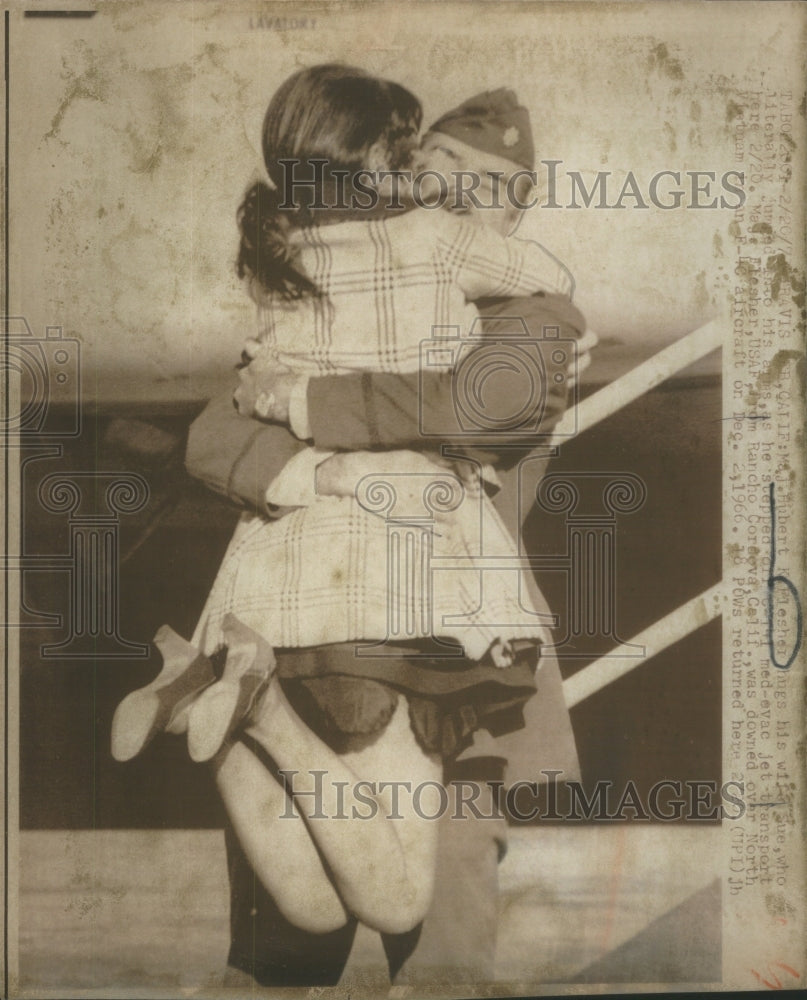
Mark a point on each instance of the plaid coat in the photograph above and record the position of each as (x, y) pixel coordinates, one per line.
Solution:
(324, 573)
(387, 283)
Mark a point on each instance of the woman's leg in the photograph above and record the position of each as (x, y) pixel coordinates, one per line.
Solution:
(361, 812)
(276, 841)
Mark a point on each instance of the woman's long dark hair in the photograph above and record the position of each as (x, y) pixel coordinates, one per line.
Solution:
(333, 113)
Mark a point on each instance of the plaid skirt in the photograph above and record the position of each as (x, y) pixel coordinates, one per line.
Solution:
(333, 572)
(310, 609)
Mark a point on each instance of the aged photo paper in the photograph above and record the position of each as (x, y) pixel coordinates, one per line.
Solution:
(403, 558)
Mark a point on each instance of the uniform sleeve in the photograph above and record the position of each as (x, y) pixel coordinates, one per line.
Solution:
(364, 411)
(361, 411)
(487, 264)
(238, 456)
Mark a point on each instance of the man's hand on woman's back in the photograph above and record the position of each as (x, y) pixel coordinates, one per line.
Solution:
(264, 390)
